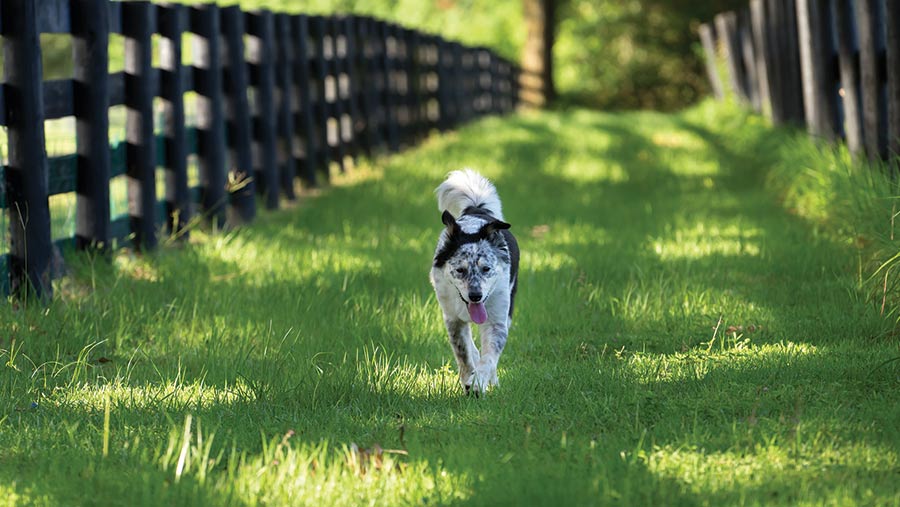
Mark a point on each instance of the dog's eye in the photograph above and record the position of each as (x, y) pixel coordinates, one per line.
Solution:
(485, 269)
(461, 271)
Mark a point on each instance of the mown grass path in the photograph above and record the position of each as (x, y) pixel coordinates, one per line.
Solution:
(680, 339)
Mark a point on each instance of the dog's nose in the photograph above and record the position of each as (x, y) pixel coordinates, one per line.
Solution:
(474, 297)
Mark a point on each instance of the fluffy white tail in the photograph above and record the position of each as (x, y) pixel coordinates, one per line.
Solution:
(466, 188)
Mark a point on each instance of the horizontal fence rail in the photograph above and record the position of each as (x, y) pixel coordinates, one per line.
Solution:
(279, 98)
(832, 66)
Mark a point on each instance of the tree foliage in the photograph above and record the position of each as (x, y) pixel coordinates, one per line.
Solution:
(624, 54)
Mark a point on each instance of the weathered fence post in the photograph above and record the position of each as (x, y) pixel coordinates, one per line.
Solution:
(284, 74)
(748, 54)
(90, 42)
(817, 57)
(173, 22)
(783, 31)
(892, 57)
(211, 145)
(708, 40)
(26, 173)
(845, 22)
(238, 137)
(138, 25)
(873, 136)
(762, 54)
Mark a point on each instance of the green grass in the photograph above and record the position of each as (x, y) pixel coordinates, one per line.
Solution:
(680, 339)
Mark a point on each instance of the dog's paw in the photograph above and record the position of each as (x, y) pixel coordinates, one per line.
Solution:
(466, 380)
(483, 380)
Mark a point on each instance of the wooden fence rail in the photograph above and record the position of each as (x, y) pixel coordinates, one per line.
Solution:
(830, 65)
(305, 94)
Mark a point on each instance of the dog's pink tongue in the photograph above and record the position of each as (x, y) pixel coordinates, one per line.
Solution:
(477, 312)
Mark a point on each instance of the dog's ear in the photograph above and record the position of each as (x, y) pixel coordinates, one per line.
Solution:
(496, 225)
(450, 222)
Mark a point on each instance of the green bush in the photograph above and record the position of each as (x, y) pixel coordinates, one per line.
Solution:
(626, 54)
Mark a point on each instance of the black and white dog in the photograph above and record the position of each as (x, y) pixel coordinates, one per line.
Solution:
(475, 274)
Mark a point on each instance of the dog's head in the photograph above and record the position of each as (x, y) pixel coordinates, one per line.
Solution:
(473, 261)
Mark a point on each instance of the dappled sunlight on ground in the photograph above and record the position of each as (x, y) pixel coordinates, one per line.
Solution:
(548, 261)
(728, 349)
(701, 239)
(814, 463)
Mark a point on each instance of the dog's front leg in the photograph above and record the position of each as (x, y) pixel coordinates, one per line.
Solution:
(466, 354)
(493, 339)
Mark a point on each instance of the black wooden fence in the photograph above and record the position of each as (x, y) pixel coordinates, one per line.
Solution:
(831, 65)
(307, 92)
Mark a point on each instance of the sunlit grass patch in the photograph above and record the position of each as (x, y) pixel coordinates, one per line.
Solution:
(822, 469)
(701, 240)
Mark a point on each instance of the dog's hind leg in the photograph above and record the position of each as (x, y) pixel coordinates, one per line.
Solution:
(467, 355)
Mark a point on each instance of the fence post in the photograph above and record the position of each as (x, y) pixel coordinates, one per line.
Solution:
(242, 208)
(726, 27)
(867, 19)
(892, 57)
(400, 79)
(210, 112)
(26, 174)
(173, 23)
(388, 55)
(496, 84)
(443, 82)
(261, 47)
(467, 95)
(138, 24)
(284, 66)
(353, 79)
(284, 81)
(411, 87)
(794, 84)
(845, 21)
(362, 83)
(300, 31)
(336, 105)
(762, 54)
(435, 74)
(457, 87)
(320, 71)
(816, 57)
(90, 42)
(506, 86)
(748, 53)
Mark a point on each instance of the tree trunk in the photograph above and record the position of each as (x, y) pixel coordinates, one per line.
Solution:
(537, 57)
